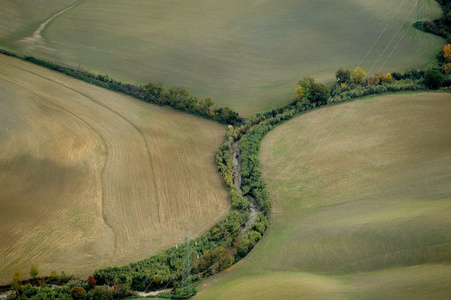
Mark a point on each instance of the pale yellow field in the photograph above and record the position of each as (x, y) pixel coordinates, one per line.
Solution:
(92, 178)
(361, 199)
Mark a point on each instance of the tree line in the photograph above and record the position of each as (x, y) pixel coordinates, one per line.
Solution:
(153, 92)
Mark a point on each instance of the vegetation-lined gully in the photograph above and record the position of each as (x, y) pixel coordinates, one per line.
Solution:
(253, 207)
(260, 125)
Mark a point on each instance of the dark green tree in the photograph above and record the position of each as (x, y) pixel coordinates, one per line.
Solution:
(312, 92)
(433, 79)
(343, 75)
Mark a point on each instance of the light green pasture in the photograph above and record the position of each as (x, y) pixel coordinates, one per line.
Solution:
(361, 205)
(245, 54)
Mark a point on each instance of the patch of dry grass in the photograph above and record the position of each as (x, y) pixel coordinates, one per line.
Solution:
(92, 178)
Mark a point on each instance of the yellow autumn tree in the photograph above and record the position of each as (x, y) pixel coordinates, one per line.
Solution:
(299, 93)
(446, 69)
(16, 279)
(389, 78)
(447, 53)
(357, 75)
(379, 78)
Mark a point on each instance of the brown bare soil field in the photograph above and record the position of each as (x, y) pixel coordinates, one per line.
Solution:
(91, 178)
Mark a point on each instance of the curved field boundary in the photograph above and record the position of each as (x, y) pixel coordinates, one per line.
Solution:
(91, 128)
(332, 235)
(119, 115)
(148, 211)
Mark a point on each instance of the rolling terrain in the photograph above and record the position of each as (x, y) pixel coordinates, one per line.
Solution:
(92, 178)
(361, 205)
(247, 55)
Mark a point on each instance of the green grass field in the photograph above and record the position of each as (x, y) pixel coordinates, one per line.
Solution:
(91, 178)
(245, 54)
(20, 18)
(361, 205)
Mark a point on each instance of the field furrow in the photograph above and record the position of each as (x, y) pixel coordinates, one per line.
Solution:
(136, 192)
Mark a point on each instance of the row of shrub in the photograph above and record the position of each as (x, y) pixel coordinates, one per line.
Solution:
(177, 98)
(346, 94)
(74, 289)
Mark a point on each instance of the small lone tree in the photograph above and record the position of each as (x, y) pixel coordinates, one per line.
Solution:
(433, 79)
(34, 271)
(53, 275)
(16, 279)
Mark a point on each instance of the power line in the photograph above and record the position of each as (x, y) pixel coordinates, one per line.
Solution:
(186, 283)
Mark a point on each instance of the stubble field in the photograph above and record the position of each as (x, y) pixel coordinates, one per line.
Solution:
(361, 205)
(92, 178)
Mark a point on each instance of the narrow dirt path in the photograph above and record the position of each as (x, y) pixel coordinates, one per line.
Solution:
(36, 38)
(154, 293)
(253, 207)
(252, 215)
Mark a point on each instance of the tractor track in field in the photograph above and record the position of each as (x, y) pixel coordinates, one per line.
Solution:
(36, 38)
(138, 130)
(266, 268)
(389, 252)
(94, 130)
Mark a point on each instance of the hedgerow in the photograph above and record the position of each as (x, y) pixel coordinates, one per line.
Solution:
(177, 98)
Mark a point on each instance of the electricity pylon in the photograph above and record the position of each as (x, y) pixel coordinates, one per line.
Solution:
(186, 267)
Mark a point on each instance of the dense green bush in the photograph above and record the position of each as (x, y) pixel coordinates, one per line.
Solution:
(433, 79)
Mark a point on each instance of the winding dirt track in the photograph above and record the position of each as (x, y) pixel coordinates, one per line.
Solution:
(36, 37)
(109, 179)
